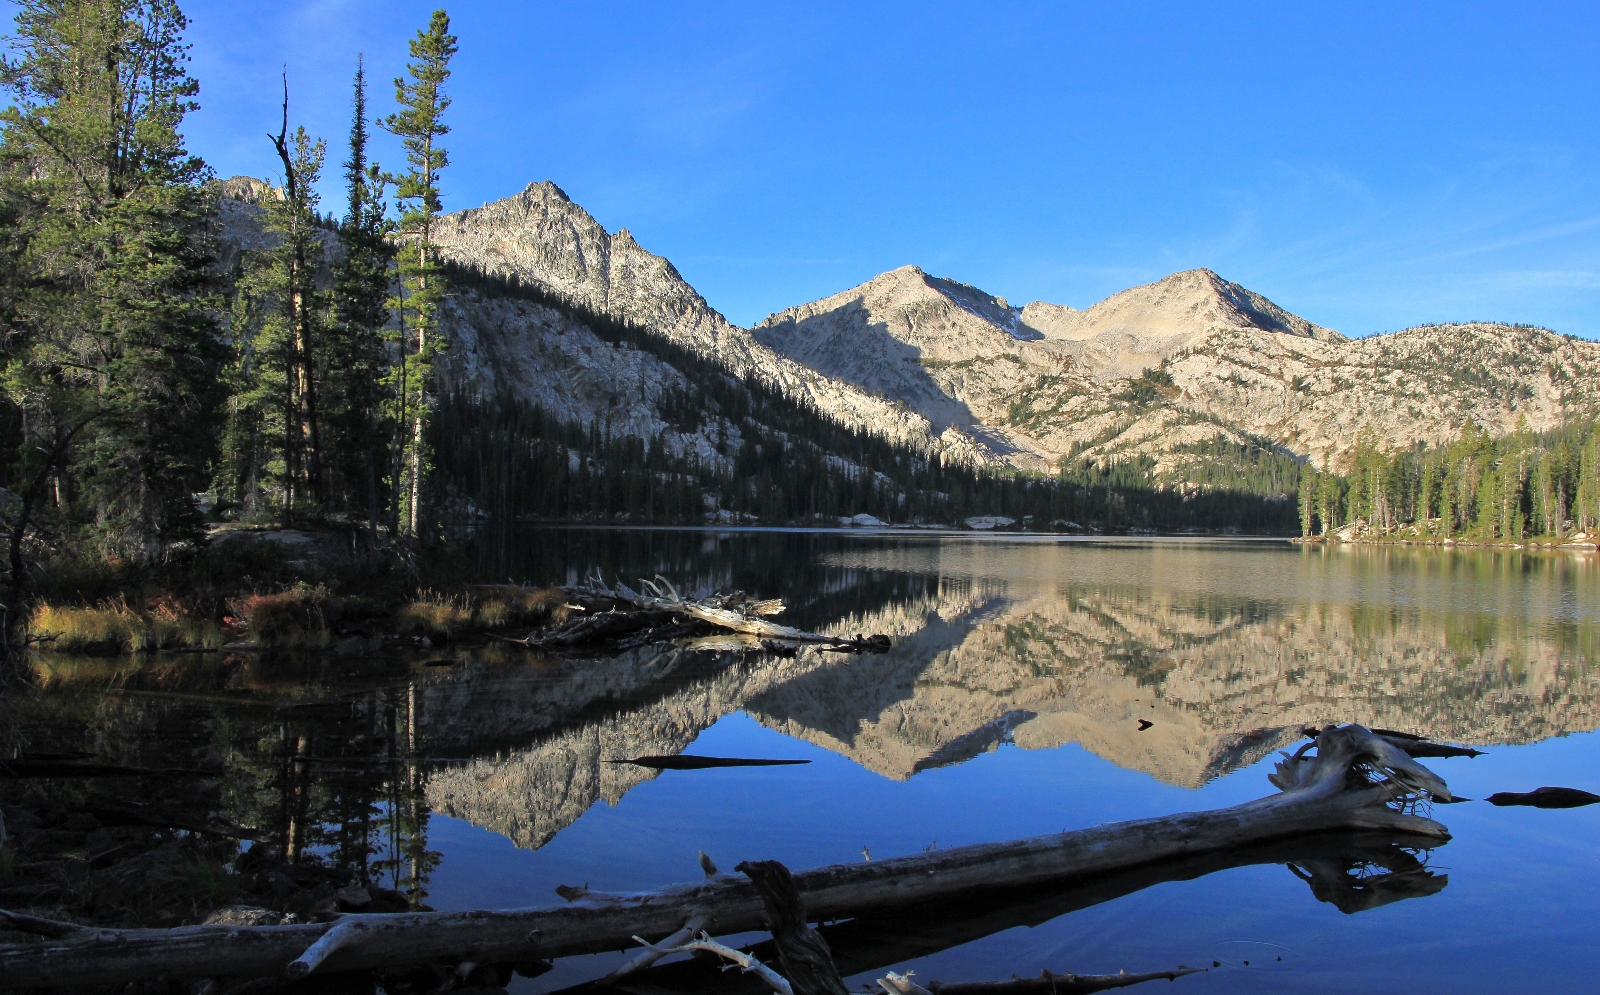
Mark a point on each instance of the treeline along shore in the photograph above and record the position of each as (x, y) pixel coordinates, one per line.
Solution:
(1522, 488)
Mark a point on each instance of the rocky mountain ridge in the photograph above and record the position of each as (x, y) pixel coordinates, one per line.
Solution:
(1159, 371)
(541, 237)
(916, 357)
(1222, 361)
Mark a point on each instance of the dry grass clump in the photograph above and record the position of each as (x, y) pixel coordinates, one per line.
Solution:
(109, 627)
(484, 609)
(505, 607)
(114, 626)
(298, 616)
(435, 614)
(303, 616)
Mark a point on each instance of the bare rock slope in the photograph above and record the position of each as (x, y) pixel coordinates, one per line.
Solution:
(1046, 381)
(542, 237)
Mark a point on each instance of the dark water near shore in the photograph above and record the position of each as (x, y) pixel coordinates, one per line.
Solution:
(1011, 706)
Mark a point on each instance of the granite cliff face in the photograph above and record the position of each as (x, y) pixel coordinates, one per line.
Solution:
(541, 237)
(1046, 381)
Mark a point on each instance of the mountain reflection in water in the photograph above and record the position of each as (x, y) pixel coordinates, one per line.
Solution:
(1226, 651)
(1018, 643)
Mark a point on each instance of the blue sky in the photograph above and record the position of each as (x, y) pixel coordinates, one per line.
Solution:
(1368, 166)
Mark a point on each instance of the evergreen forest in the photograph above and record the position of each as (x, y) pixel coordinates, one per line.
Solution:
(1525, 485)
(503, 461)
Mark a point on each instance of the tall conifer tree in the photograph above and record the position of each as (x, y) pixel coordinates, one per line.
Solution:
(358, 366)
(293, 218)
(419, 125)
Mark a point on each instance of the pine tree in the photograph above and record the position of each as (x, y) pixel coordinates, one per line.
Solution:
(1307, 485)
(358, 360)
(419, 125)
(111, 372)
(292, 218)
(272, 463)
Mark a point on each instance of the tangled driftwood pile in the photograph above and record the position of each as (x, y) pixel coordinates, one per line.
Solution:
(619, 618)
(1348, 778)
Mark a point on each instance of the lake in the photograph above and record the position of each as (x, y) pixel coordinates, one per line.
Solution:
(1035, 685)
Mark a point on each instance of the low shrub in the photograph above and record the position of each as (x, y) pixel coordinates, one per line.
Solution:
(299, 616)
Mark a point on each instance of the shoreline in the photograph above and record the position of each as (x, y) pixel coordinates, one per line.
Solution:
(937, 531)
(1525, 545)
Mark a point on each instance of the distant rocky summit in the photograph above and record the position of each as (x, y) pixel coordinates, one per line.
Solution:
(1157, 372)
(541, 237)
(1176, 363)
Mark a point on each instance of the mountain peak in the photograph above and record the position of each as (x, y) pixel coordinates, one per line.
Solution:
(247, 189)
(546, 188)
(912, 287)
(1179, 306)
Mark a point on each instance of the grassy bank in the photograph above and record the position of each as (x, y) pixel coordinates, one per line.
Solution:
(264, 591)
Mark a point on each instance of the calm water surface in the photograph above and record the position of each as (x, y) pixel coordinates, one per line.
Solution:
(1010, 706)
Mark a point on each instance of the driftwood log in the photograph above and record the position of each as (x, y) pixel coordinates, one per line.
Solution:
(809, 967)
(1353, 871)
(803, 954)
(625, 618)
(1354, 780)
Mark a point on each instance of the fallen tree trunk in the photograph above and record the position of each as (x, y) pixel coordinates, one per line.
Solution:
(1338, 866)
(1354, 781)
(1546, 797)
(629, 618)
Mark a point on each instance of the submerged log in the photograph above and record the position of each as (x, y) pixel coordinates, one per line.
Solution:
(1546, 797)
(1355, 780)
(1046, 983)
(685, 761)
